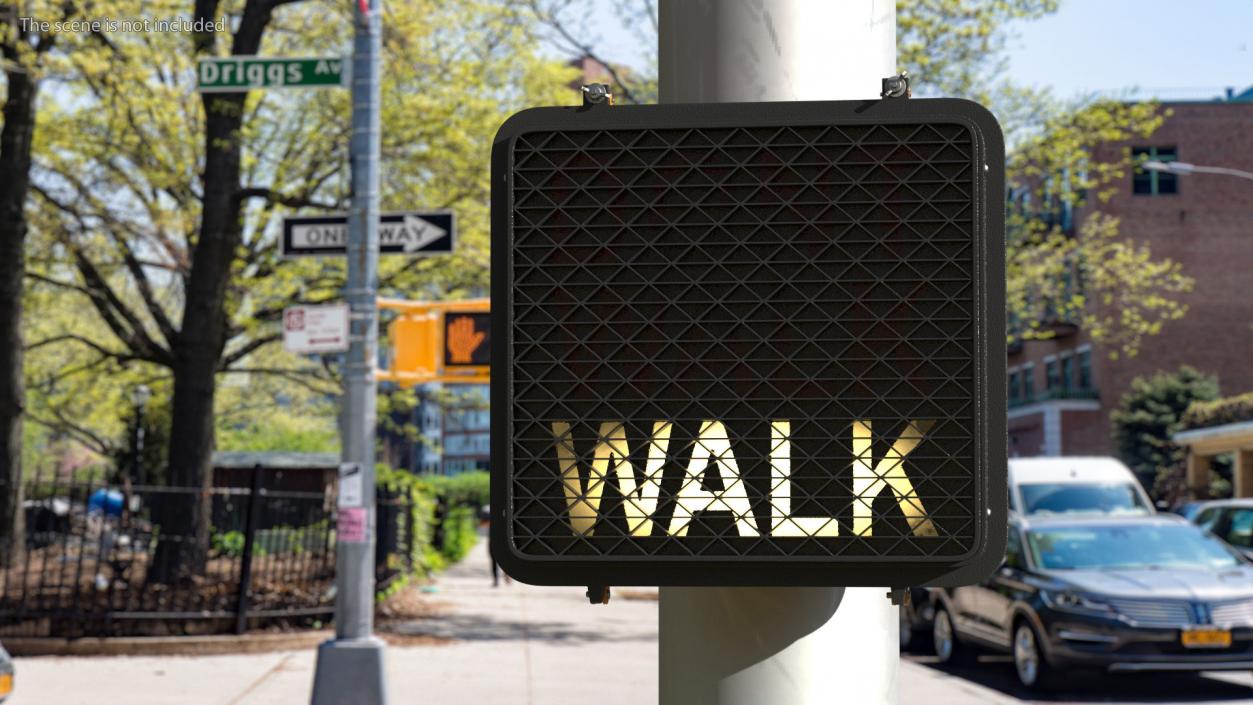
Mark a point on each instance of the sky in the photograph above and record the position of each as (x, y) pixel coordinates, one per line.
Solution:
(1168, 49)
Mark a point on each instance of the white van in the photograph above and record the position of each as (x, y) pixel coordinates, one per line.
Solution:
(1075, 485)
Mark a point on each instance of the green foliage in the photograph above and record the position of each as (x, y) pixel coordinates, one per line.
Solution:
(1201, 414)
(468, 489)
(275, 541)
(283, 430)
(121, 153)
(460, 532)
(156, 420)
(956, 47)
(228, 543)
(1146, 418)
(444, 511)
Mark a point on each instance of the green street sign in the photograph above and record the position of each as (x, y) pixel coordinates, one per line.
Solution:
(231, 74)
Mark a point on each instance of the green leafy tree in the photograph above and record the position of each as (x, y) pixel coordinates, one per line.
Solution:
(162, 204)
(21, 54)
(1148, 415)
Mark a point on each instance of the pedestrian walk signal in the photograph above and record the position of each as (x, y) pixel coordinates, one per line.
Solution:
(753, 344)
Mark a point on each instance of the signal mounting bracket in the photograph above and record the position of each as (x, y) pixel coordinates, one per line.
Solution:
(896, 86)
(597, 94)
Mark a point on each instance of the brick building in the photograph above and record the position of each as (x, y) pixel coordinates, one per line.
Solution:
(1062, 390)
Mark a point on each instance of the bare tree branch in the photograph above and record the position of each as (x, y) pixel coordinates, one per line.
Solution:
(246, 350)
(84, 435)
(548, 16)
(276, 197)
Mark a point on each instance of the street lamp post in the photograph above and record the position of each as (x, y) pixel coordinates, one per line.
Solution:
(1186, 168)
(140, 396)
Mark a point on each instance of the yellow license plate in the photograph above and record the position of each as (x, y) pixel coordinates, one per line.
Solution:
(6, 684)
(1206, 638)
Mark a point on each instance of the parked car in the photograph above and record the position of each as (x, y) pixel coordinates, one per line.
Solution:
(6, 675)
(916, 615)
(1111, 593)
(1230, 520)
(1187, 510)
(1075, 485)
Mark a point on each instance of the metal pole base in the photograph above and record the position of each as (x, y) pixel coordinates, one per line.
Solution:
(350, 672)
(782, 646)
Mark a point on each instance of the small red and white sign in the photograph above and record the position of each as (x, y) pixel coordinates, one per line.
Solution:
(315, 329)
(351, 525)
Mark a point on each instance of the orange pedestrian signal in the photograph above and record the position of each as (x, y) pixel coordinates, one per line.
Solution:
(467, 339)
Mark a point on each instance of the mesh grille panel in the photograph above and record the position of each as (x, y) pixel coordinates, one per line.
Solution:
(757, 322)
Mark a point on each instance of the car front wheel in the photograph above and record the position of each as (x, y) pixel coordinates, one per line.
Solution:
(1030, 663)
(948, 648)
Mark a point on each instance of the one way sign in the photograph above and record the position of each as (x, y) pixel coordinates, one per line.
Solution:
(415, 234)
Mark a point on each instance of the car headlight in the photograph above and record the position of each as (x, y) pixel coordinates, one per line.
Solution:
(1075, 602)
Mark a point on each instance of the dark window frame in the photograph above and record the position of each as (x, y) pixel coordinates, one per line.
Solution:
(1083, 369)
(1154, 183)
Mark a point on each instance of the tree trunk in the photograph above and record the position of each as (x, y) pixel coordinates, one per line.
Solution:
(184, 515)
(15, 161)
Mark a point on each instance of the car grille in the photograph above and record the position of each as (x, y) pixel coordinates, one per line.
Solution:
(1155, 613)
(1233, 613)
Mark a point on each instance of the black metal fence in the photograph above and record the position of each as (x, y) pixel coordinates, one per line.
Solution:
(90, 564)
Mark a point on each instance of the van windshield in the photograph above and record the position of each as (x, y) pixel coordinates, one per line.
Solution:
(1082, 498)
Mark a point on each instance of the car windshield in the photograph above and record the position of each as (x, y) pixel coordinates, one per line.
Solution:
(1078, 498)
(1127, 546)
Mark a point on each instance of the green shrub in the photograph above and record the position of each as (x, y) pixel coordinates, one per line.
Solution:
(228, 543)
(1148, 415)
(469, 489)
(444, 513)
(460, 533)
(1201, 414)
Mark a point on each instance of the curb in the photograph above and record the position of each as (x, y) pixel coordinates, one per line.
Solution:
(210, 645)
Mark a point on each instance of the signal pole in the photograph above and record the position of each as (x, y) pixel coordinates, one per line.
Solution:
(350, 667)
(783, 646)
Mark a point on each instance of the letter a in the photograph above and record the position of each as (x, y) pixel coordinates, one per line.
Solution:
(712, 445)
(890, 472)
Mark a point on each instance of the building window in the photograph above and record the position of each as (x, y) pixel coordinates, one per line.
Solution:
(1052, 375)
(1068, 371)
(1028, 382)
(1014, 390)
(1085, 369)
(1152, 183)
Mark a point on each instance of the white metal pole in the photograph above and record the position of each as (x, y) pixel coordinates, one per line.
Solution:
(782, 646)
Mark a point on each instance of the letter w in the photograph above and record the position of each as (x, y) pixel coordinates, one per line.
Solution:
(639, 500)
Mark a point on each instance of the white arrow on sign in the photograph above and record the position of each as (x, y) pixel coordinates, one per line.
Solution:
(416, 234)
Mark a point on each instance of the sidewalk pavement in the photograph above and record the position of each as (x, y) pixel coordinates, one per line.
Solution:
(512, 645)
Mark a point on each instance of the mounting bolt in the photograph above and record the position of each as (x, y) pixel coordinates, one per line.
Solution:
(896, 86)
(597, 93)
(899, 596)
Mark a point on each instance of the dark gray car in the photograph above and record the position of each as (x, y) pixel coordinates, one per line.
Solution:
(1116, 594)
(6, 675)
